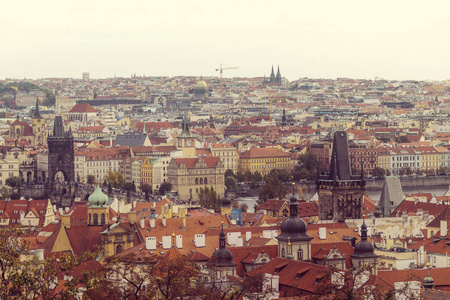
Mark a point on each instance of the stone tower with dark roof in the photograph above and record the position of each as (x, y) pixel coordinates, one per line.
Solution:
(341, 194)
(39, 127)
(60, 153)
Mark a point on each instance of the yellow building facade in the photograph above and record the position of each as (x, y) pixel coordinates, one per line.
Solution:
(146, 172)
(188, 175)
(263, 160)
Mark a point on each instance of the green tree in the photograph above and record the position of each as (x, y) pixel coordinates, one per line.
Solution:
(257, 177)
(306, 166)
(208, 198)
(147, 189)
(240, 176)
(91, 179)
(14, 182)
(127, 186)
(229, 173)
(120, 180)
(248, 176)
(112, 178)
(165, 187)
(230, 182)
(378, 172)
(271, 189)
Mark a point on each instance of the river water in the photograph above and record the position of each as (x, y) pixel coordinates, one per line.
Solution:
(374, 195)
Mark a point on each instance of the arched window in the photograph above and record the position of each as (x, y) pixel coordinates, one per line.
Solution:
(90, 218)
(102, 219)
(95, 219)
(196, 180)
(119, 248)
(299, 254)
(201, 180)
(283, 253)
(206, 180)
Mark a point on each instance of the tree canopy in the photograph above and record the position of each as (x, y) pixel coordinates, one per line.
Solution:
(306, 167)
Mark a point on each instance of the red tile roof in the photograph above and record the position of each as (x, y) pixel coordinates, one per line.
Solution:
(82, 108)
(264, 152)
(211, 161)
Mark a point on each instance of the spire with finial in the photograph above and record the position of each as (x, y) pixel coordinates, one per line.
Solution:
(428, 281)
(289, 254)
(363, 230)
(222, 238)
(173, 238)
(293, 204)
(37, 114)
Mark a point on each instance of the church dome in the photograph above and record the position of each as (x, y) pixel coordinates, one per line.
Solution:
(226, 202)
(428, 280)
(364, 248)
(201, 85)
(98, 198)
(222, 256)
(294, 228)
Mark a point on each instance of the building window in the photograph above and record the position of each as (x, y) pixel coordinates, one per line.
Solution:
(299, 254)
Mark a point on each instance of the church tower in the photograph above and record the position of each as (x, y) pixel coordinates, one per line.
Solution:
(98, 210)
(278, 77)
(222, 261)
(341, 194)
(225, 207)
(60, 153)
(39, 127)
(272, 76)
(186, 140)
(294, 241)
(364, 255)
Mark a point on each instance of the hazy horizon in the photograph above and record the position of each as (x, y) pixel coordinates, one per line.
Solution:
(400, 40)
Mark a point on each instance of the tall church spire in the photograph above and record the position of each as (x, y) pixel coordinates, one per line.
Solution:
(37, 114)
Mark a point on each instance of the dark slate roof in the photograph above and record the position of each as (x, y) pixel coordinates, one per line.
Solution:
(130, 139)
(340, 161)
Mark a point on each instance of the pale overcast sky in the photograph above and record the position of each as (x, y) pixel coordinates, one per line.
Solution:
(316, 39)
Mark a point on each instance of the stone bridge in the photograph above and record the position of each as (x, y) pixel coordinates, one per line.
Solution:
(63, 194)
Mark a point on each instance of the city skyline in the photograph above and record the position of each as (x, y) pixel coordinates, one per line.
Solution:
(395, 41)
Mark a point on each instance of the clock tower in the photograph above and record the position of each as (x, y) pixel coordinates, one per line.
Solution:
(186, 140)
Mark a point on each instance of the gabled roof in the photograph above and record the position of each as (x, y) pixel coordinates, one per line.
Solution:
(83, 108)
(132, 139)
(211, 161)
(264, 153)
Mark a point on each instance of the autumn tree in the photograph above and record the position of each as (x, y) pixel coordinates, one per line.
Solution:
(111, 178)
(28, 275)
(153, 277)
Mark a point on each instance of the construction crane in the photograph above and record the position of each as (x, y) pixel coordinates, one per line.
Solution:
(221, 70)
(221, 76)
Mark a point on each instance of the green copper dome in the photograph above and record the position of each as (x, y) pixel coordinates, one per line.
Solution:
(98, 198)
